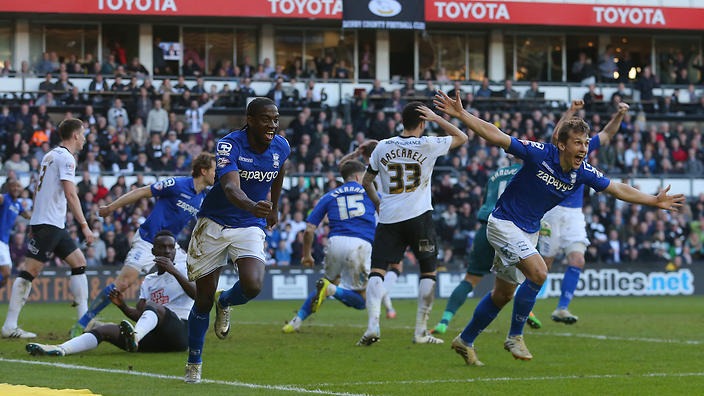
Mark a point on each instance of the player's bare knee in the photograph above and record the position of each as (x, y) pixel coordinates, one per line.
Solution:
(252, 288)
(575, 258)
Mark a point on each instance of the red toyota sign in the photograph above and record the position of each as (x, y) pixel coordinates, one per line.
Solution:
(453, 11)
(316, 9)
(560, 14)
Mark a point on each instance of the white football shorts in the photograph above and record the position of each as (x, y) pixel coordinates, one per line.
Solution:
(5, 258)
(511, 245)
(211, 244)
(349, 258)
(568, 232)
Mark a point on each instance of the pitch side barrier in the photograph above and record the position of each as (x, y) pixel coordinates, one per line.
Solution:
(296, 284)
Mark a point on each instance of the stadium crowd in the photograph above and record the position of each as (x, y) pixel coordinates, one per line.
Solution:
(134, 128)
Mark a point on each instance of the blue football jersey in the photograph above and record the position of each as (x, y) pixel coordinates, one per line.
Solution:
(176, 203)
(257, 173)
(576, 199)
(541, 184)
(350, 212)
(9, 210)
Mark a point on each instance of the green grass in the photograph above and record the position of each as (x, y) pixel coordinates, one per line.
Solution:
(620, 346)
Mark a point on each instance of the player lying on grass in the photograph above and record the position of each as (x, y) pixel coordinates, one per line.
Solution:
(165, 299)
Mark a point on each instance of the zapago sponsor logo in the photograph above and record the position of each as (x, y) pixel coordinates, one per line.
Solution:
(138, 5)
(551, 180)
(306, 7)
(613, 282)
(629, 16)
(259, 176)
(188, 208)
(470, 10)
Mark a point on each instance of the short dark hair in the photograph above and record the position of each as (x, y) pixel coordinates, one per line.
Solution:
(576, 125)
(202, 161)
(164, 233)
(349, 168)
(255, 106)
(68, 126)
(411, 115)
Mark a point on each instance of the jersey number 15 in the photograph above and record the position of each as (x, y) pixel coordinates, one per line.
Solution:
(351, 206)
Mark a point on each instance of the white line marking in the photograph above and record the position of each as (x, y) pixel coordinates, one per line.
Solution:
(533, 333)
(512, 379)
(283, 388)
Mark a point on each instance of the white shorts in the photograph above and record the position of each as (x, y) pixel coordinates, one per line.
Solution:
(211, 244)
(568, 232)
(5, 258)
(140, 256)
(349, 258)
(511, 245)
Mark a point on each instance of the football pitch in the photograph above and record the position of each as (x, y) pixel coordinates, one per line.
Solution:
(621, 345)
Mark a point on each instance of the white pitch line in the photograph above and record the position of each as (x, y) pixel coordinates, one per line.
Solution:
(533, 333)
(283, 388)
(515, 379)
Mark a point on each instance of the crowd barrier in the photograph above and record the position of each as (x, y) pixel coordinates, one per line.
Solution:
(296, 284)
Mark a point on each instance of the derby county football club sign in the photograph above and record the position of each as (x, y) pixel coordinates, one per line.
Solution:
(383, 14)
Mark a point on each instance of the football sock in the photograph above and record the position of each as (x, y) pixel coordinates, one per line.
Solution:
(569, 285)
(83, 342)
(484, 313)
(350, 298)
(101, 301)
(146, 323)
(375, 291)
(305, 309)
(523, 303)
(426, 296)
(233, 296)
(457, 298)
(389, 281)
(197, 327)
(78, 285)
(19, 294)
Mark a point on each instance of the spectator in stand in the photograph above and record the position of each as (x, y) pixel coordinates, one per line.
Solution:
(409, 89)
(191, 68)
(199, 87)
(47, 85)
(583, 70)
(135, 68)
(123, 166)
(484, 91)
(342, 72)
(533, 92)
(194, 115)
(143, 104)
(47, 100)
(181, 86)
(118, 86)
(508, 92)
(172, 142)
(608, 68)
(645, 84)
(16, 164)
(117, 111)
(44, 66)
(457, 87)
(277, 94)
(157, 119)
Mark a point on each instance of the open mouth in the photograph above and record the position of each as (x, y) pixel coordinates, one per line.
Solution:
(579, 158)
(270, 135)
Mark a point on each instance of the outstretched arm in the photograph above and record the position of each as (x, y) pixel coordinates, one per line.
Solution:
(576, 106)
(453, 108)
(458, 137)
(614, 124)
(127, 199)
(627, 193)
